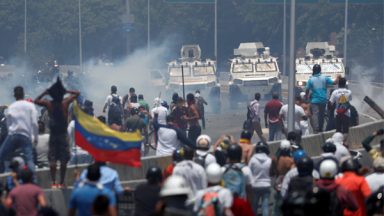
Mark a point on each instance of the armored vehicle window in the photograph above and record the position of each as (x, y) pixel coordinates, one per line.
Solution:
(266, 67)
(242, 68)
(203, 70)
(176, 71)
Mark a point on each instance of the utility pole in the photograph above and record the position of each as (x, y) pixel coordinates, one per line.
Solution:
(291, 77)
(149, 26)
(25, 27)
(285, 38)
(345, 32)
(80, 40)
(215, 39)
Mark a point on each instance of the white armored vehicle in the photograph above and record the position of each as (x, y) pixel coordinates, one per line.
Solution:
(253, 70)
(198, 74)
(318, 53)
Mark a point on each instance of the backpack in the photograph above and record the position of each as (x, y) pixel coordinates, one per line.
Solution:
(334, 206)
(200, 106)
(251, 113)
(200, 159)
(234, 179)
(115, 111)
(210, 204)
(343, 105)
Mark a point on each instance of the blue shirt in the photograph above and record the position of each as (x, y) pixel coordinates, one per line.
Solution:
(318, 85)
(82, 198)
(109, 179)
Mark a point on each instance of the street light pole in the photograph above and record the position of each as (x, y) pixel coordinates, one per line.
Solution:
(25, 27)
(80, 40)
(285, 38)
(149, 25)
(345, 32)
(215, 39)
(291, 77)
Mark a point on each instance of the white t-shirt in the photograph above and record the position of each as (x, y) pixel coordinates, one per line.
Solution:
(163, 112)
(299, 113)
(167, 141)
(193, 173)
(21, 118)
(336, 94)
(42, 148)
(225, 197)
(108, 100)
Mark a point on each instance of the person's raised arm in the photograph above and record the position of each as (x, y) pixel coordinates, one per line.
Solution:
(40, 101)
(367, 141)
(74, 95)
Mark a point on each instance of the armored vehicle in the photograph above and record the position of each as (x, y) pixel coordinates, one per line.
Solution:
(198, 74)
(318, 53)
(253, 70)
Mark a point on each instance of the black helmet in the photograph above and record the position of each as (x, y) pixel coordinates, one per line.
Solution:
(305, 166)
(234, 152)
(350, 165)
(245, 134)
(316, 69)
(113, 89)
(178, 155)
(262, 148)
(134, 111)
(329, 147)
(154, 175)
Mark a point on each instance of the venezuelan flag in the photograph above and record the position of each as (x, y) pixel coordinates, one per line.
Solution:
(105, 144)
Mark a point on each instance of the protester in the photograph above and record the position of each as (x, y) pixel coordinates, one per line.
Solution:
(341, 98)
(272, 118)
(376, 179)
(304, 180)
(299, 115)
(214, 196)
(148, 194)
(84, 195)
(329, 149)
(42, 147)
(13, 180)
(253, 115)
(192, 172)
(354, 183)
(340, 198)
(100, 206)
(177, 156)
(175, 194)
(203, 155)
(220, 149)
(143, 103)
(246, 146)
(179, 112)
(341, 150)
(237, 176)
(373, 152)
(27, 197)
(160, 110)
(260, 165)
(200, 102)
(175, 98)
(134, 122)
(109, 178)
(194, 129)
(169, 138)
(59, 149)
(304, 123)
(316, 91)
(113, 107)
(22, 126)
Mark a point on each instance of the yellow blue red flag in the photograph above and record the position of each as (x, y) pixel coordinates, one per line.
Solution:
(104, 143)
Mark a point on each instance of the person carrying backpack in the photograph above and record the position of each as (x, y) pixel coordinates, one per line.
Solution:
(339, 197)
(215, 199)
(200, 102)
(114, 106)
(341, 98)
(203, 156)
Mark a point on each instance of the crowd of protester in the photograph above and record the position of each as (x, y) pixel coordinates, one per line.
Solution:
(228, 176)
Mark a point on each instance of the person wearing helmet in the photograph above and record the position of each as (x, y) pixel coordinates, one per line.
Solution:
(246, 145)
(354, 183)
(375, 203)
(161, 111)
(148, 194)
(192, 172)
(203, 155)
(169, 137)
(329, 149)
(341, 150)
(220, 148)
(340, 197)
(293, 172)
(174, 197)
(316, 91)
(260, 165)
(177, 156)
(281, 164)
(205, 197)
(272, 119)
(304, 180)
(134, 122)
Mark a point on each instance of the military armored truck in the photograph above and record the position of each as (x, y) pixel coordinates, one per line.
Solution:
(198, 74)
(318, 53)
(253, 70)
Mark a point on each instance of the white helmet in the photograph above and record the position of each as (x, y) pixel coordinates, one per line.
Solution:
(302, 95)
(214, 173)
(203, 142)
(175, 185)
(328, 169)
(285, 144)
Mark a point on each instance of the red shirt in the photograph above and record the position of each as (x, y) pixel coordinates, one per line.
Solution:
(241, 207)
(25, 200)
(360, 189)
(272, 109)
